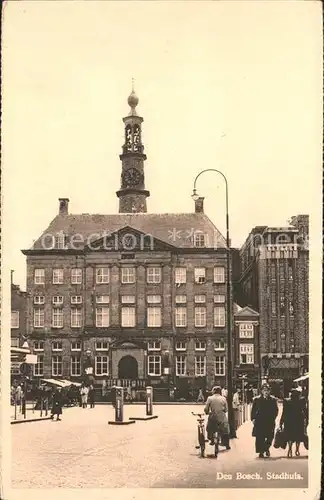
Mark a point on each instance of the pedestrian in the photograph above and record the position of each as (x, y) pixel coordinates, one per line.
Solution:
(216, 409)
(84, 391)
(263, 415)
(57, 404)
(224, 392)
(200, 398)
(294, 421)
(249, 395)
(19, 395)
(91, 396)
(236, 408)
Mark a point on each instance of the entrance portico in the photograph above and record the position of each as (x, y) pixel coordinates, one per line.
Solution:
(128, 360)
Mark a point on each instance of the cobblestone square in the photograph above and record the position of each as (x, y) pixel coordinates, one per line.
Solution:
(83, 451)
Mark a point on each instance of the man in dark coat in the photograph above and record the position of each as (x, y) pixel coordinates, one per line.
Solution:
(263, 415)
(57, 404)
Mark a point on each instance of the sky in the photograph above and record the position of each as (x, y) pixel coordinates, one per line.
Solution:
(235, 86)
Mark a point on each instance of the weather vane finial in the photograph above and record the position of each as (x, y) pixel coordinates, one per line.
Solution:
(133, 84)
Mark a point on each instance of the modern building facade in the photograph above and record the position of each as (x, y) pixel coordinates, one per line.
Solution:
(131, 298)
(274, 281)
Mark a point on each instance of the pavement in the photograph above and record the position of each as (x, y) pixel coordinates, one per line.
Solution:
(83, 451)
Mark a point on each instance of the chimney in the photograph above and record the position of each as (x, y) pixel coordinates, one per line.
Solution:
(199, 205)
(64, 206)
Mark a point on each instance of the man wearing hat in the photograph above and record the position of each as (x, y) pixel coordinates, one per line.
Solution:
(263, 415)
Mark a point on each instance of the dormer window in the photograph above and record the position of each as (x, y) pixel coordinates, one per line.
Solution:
(60, 241)
(199, 239)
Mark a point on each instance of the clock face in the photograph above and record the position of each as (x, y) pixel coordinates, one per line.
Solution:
(132, 177)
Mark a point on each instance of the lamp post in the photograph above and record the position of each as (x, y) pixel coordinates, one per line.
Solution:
(229, 304)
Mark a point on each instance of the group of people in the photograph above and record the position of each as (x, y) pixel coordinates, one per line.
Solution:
(87, 396)
(293, 421)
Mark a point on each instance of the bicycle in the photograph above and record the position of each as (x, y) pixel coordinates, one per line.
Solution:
(202, 437)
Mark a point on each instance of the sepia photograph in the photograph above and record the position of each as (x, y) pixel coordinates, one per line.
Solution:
(162, 246)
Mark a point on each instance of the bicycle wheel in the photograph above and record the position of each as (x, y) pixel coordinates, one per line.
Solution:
(202, 445)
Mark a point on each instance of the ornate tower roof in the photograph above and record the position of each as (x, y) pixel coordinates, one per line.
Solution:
(132, 194)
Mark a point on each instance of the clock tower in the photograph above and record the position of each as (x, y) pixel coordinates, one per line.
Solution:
(132, 194)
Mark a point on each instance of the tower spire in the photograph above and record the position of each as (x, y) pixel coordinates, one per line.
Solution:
(132, 194)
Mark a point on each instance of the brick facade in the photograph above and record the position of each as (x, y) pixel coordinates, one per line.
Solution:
(18, 312)
(274, 281)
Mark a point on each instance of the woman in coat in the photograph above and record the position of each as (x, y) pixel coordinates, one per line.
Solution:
(57, 404)
(293, 421)
(263, 415)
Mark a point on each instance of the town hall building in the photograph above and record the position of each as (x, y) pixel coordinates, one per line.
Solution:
(131, 298)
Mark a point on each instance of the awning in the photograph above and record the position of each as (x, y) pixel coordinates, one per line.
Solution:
(68, 383)
(53, 382)
(300, 379)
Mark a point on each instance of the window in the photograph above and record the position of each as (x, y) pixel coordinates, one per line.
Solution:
(154, 365)
(154, 299)
(154, 345)
(57, 318)
(282, 305)
(60, 241)
(102, 275)
(219, 345)
(57, 366)
(39, 276)
(219, 299)
(246, 354)
(102, 299)
(180, 346)
(200, 366)
(101, 345)
(102, 317)
(76, 299)
(76, 276)
(38, 345)
(290, 272)
(128, 317)
(39, 300)
(14, 319)
(128, 274)
(200, 275)
(153, 274)
(101, 365)
(76, 346)
(200, 345)
(154, 317)
(200, 317)
(14, 342)
(219, 274)
(220, 365)
(273, 303)
(181, 368)
(76, 318)
(273, 270)
(200, 299)
(39, 367)
(58, 300)
(39, 319)
(58, 276)
(57, 346)
(246, 331)
(180, 317)
(199, 239)
(219, 316)
(128, 299)
(181, 299)
(180, 275)
(75, 366)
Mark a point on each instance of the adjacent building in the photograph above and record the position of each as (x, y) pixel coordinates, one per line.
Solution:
(130, 298)
(274, 282)
(18, 324)
(246, 357)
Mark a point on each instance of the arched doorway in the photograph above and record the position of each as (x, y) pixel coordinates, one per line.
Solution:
(128, 368)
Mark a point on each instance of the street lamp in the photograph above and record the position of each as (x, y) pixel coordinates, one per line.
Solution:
(195, 197)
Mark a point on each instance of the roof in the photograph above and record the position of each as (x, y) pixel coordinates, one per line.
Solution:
(246, 311)
(175, 229)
